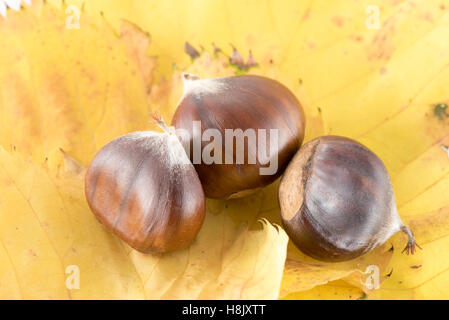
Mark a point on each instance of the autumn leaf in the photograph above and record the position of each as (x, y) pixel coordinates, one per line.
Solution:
(423, 276)
(301, 272)
(334, 290)
(385, 87)
(57, 111)
(47, 227)
(75, 89)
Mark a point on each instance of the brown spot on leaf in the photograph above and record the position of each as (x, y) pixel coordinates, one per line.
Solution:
(427, 17)
(32, 253)
(382, 45)
(7, 182)
(338, 21)
(191, 51)
(311, 45)
(363, 296)
(306, 15)
(440, 111)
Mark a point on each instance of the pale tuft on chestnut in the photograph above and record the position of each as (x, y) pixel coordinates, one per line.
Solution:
(239, 103)
(143, 187)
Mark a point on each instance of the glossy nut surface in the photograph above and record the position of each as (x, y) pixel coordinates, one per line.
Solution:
(240, 102)
(337, 200)
(145, 190)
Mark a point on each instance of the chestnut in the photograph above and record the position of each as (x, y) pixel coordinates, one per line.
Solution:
(143, 187)
(337, 200)
(249, 126)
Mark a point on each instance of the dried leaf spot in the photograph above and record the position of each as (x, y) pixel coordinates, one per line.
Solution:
(440, 111)
(191, 51)
(338, 21)
(236, 60)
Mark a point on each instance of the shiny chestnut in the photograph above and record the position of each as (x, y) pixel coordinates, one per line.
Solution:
(337, 201)
(143, 187)
(247, 106)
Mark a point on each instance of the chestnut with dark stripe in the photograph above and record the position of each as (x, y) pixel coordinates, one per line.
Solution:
(143, 187)
(337, 200)
(240, 102)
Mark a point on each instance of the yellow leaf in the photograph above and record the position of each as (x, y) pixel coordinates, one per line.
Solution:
(335, 290)
(47, 228)
(424, 275)
(385, 87)
(301, 272)
(74, 89)
(57, 104)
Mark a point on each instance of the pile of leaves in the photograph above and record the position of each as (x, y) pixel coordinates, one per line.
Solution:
(66, 91)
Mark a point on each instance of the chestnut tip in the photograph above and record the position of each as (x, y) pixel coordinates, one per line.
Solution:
(157, 118)
(240, 103)
(189, 77)
(410, 248)
(144, 189)
(337, 201)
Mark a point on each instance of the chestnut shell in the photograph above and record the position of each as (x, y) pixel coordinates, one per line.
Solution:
(137, 188)
(337, 200)
(240, 102)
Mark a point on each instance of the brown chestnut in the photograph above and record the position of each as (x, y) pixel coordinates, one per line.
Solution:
(337, 200)
(143, 187)
(249, 126)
